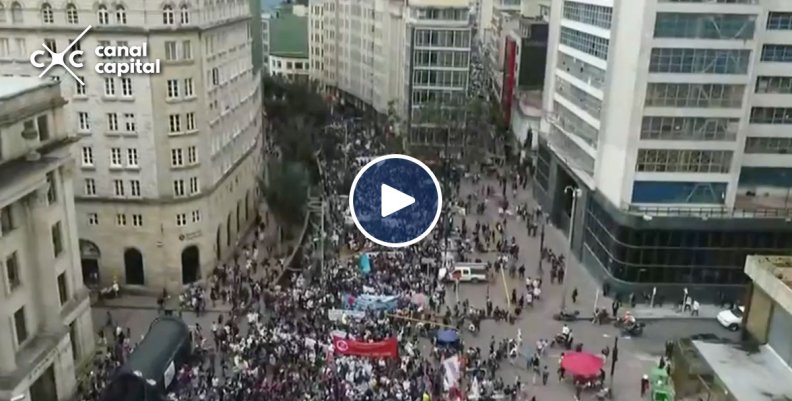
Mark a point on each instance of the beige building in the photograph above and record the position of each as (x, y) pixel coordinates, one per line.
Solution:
(167, 163)
(45, 318)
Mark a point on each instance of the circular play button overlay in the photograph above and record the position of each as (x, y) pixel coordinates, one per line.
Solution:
(395, 200)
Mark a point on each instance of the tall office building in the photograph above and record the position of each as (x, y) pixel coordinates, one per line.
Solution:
(390, 54)
(672, 119)
(167, 163)
(45, 316)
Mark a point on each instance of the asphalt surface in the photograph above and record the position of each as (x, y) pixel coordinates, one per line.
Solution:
(636, 355)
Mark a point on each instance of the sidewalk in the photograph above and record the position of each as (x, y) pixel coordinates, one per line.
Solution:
(149, 302)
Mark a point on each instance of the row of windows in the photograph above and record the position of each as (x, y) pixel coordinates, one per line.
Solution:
(676, 192)
(765, 84)
(699, 61)
(103, 15)
(125, 123)
(571, 123)
(669, 128)
(768, 145)
(136, 220)
(119, 188)
(581, 70)
(777, 53)
(447, 78)
(779, 21)
(588, 14)
(421, 96)
(442, 38)
(705, 26)
(771, 115)
(579, 98)
(585, 42)
(694, 95)
(441, 58)
(683, 161)
(442, 14)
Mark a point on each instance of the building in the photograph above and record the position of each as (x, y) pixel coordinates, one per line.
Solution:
(265, 38)
(45, 316)
(668, 123)
(759, 367)
(488, 10)
(288, 44)
(167, 163)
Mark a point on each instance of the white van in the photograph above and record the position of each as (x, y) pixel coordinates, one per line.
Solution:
(467, 273)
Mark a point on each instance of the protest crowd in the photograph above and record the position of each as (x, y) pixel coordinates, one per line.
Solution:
(370, 324)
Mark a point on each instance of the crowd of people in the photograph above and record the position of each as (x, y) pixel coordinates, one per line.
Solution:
(279, 341)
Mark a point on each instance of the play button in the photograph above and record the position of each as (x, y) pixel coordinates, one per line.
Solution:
(395, 200)
(392, 200)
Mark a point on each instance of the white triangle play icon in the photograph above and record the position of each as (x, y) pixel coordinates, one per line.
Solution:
(392, 200)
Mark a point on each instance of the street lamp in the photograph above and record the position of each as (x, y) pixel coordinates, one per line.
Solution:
(575, 192)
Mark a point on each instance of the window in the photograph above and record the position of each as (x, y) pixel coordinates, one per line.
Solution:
(46, 14)
(184, 14)
(705, 26)
(694, 95)
(580, 98)
(771, 115)
(129, 122)
(109, 86)
(188, 87)
(112, 122)
(186, 50)
(173, 88)
(178, 188)
(779, 21)
(57, 239)
(121, 220)
(51, 44)
(71, 15)
(42, 126)
(52, 188)
(115, 157)
(20, 325)
(215, 73)
(768, 145)
(134, 188)
(121, 17)
(132, 157)
(585, 42)
(689, 128)
(699, 61)
(2, 13)
(190, 121)
(16, 13)
(194, 187)
(167, 15)
(126, 87)
(93, 219)
(768, 84)
(684, 161)
(170, 51)
(103, 15)
(192, 155)
(87, 156)
(21, 47)
(196, 216)
(84, 122)
(6, 220)
(177, 159)
(590, 14)
(118, 188)
(12, 271)
(569, 122)
(90, 187)
(80, 89)
(174, 123)
(63, 292)
(777, 53)
(181, 219)
(137, 220)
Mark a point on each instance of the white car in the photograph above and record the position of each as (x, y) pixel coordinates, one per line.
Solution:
(731, 318)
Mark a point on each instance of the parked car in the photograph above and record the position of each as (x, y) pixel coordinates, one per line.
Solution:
(731, 319)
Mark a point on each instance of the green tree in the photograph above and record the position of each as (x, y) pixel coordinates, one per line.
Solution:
(286, 192)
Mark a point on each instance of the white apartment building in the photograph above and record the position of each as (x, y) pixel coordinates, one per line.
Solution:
(488, 9)
(672, 118)
(45, 316)
(167, 163)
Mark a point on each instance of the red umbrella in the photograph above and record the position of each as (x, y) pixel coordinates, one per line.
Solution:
(582, 364)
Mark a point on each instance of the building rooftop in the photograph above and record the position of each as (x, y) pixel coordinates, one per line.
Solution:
(773, 274)
(748, 374)
(14, 86)
(288, 35)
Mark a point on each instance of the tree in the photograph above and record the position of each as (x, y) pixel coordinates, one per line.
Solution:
(462, 124)
(286, 192)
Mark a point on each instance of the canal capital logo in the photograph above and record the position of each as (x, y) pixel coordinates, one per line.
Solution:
(116, 60)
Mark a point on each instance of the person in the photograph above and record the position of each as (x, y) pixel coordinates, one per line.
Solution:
(628, 320)
(566, 330)
(696, 306)
(644, 385)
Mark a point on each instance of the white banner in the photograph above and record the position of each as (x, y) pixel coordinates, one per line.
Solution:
(336, 314)
(451, 372)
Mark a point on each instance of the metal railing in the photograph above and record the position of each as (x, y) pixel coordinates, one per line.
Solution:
(710, 211)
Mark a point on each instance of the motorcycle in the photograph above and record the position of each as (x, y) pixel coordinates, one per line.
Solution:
(562, 340)
(565, 316)
(634, 330)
